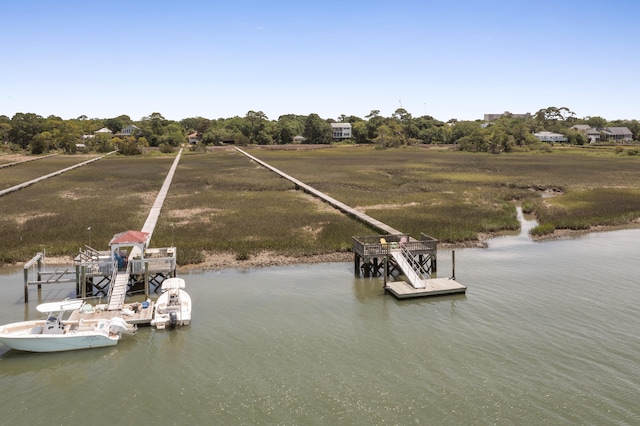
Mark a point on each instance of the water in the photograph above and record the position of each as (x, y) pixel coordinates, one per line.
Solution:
(547, 333)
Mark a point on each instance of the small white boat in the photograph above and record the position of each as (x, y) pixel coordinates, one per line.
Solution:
(54, 334)
(173, 307)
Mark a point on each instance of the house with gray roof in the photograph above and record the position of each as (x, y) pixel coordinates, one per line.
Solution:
(609, 134)
(616, 134)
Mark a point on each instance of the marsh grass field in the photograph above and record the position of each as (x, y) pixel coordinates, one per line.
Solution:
(20, 173)
(221, 203)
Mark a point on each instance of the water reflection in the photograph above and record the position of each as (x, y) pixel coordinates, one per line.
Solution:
(545, 334)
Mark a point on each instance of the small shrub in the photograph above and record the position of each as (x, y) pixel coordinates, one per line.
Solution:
(242, 255)
(543, 229)
(165, 148)
(528, 207)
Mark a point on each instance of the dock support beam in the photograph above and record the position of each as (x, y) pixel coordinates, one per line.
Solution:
(146, 280)
(38, 260)
(83, 281)
(26, 285)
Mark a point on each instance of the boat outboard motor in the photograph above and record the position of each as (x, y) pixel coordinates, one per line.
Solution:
(173, 319)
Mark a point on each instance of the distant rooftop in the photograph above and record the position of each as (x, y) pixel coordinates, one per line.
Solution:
(494, 117)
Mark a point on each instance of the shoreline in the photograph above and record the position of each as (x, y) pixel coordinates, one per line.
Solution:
(224, 261)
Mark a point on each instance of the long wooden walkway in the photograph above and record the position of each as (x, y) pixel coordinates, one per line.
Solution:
(28, 160)
(119, 287)
(376, 224)
(50, 175)
(154, 213)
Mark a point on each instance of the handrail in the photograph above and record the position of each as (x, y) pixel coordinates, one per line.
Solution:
(413, 263)
(112, 284)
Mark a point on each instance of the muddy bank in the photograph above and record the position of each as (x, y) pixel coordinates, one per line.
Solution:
(221, 261)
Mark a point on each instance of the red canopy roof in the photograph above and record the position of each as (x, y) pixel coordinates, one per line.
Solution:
(130, 237)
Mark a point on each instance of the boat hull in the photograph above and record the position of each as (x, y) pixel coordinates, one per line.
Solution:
(164, 307)
(25, 336)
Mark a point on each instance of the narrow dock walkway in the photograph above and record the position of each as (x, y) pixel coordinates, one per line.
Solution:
(50, 175)
(154, 213)
(118, 291)
(119, 287)
(28, 160)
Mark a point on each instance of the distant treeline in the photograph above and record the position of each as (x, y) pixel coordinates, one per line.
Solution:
(37, 134)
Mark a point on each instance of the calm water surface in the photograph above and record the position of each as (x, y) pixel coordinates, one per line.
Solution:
(546, 334)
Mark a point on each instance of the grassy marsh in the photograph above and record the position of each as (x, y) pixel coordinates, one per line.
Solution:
(222, 202)
(11, 176)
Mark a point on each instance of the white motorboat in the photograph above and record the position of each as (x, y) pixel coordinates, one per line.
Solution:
(54, 334)
(173, 307)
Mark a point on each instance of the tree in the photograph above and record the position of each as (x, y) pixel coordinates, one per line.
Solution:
(128, 145)
(257, 122)
(359, 132)
(5, 129)
(24, 127)
(196, 124)
(634, 127)
(102, 142)
(41, 142)
(288, 127)
(263, 138)
(597, 122)
(316, 130)
(153, 127)
(118, 123)
(476, 141)
(462, 129)
(401, 114)
(390, 135)
(553, 118)
(173, 135)
(217, 135)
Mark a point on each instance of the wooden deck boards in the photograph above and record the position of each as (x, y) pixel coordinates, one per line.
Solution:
(142, 317)
(435, 287)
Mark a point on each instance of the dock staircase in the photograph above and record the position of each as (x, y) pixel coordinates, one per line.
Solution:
(415, 273)
(118, 289)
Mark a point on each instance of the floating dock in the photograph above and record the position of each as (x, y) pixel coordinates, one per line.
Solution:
(434, 287)
(132, 313)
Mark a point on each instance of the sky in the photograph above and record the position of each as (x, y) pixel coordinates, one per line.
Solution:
(220, 59)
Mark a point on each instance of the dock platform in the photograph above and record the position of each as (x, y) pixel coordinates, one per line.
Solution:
(434, 287)
(138, 317)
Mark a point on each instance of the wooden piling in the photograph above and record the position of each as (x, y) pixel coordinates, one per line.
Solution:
(146, 280)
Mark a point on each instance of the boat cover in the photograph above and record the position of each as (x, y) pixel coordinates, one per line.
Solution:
(64, 305)
(172, 283)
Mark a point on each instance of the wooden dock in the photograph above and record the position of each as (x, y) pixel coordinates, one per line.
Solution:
(434, 287)
(139, 315)
(50, 175)
(374, 223)
(379, 254)
(152, 265)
